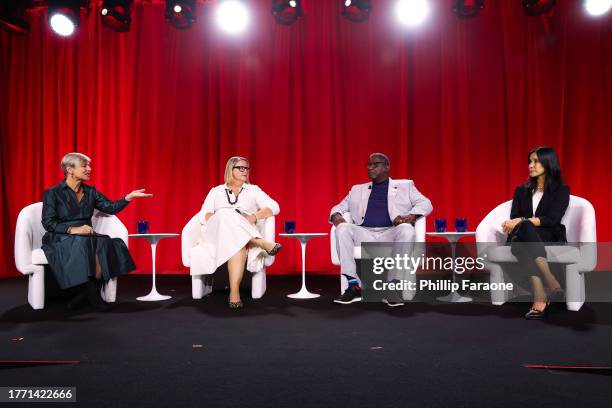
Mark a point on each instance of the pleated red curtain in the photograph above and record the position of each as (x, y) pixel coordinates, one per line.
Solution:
(456, 104)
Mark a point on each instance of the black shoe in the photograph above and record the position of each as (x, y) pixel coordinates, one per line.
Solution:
(392, 303)
(93, 295)
(534, 314)
(78, 301)
(350, 295)
(235, 305)
(274, 250)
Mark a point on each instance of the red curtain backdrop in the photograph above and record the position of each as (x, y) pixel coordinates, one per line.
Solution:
(456, 104)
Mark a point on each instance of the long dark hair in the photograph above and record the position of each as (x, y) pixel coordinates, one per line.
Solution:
(549, 160)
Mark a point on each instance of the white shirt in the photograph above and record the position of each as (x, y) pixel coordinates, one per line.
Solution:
(250, 200)
(535, 200)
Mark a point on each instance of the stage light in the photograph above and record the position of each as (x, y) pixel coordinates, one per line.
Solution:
(537, 7)
(412, 12)
(597, 7)
(232, 16)
(12, 16)
(467, 8)
(286, 12)
(116, 14)
(356, 10)
(64, 16)
(181, 13)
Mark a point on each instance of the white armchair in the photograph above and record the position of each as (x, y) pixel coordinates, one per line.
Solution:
(579, 221)
(419, 226)
(30, 258)
(201, 285)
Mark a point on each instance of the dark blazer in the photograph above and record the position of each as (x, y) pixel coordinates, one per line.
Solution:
(551, 209)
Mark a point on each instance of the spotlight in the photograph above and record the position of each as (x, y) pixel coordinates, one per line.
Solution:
(116, 14)
(64, 16)
(537, 7)
(412, 12)
(467, 8)
(232, 16)
(597, 7)
(12, 17)
(286, 11)
(181, 13)
(356, 10)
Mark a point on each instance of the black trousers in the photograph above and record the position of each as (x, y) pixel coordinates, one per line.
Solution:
(527, 242)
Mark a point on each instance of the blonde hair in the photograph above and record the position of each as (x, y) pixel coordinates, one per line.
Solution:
(229, 177)
(72, 160)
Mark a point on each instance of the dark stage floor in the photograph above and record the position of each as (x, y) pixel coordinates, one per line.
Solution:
(280, 352)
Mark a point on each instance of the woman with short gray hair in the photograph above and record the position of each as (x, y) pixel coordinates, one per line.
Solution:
(77, 255)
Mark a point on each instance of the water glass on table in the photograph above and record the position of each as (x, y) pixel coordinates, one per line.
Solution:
(440, 225)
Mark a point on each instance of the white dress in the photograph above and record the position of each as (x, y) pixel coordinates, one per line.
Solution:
(227, 231)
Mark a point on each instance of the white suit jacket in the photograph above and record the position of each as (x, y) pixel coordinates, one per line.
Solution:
(403, 199)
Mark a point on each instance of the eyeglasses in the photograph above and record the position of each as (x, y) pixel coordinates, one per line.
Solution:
(374, 164)
(242, 168)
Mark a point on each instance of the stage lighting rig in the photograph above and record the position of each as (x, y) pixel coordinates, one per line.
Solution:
(232, 16)
(537, 7)
(356, 10)
(181, 13)
(116, 14)
(597, 7)
(286, 11)
(12, 16)
(412, 13)
(65, 15)
(467, 8)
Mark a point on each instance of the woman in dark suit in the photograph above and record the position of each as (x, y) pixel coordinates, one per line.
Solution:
(76, 254)
(537, 209)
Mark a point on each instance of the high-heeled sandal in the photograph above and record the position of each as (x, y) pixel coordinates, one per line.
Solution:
(235, 305)
(274, 250)
(534, 314)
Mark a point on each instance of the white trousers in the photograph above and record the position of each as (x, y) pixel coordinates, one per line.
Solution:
(348, 236)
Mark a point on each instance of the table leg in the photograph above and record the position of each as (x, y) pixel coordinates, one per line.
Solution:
(303, 293)
(454, 296)
(154, 295)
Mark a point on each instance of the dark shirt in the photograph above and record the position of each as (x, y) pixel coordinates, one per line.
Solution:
(62, 210)
(550, 211)
(377, 213)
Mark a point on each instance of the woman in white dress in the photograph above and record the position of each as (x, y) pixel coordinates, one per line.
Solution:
(229, 218)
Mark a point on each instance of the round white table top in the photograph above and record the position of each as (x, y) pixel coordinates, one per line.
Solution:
(161, 235)
(452, 234)
(305, 234)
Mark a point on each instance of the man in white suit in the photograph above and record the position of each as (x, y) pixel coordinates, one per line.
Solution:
(383, 210)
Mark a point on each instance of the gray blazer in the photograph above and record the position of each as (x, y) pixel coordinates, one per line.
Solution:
(403, 198)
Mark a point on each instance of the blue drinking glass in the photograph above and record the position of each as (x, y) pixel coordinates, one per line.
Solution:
(142, 227)
(290, 227)
(440, 224)
(460, 224)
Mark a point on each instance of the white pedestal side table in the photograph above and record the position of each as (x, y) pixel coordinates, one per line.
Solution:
(153, 239)
(303, 238)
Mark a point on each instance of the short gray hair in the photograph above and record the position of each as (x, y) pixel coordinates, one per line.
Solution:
(382, 156)
(72, 160)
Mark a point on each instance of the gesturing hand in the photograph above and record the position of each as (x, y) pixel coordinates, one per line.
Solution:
(137, 194)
